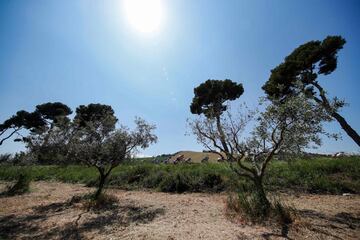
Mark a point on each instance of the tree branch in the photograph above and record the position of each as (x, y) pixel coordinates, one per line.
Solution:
(9, 136)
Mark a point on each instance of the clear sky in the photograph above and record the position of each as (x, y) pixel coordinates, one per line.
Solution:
(87, 51)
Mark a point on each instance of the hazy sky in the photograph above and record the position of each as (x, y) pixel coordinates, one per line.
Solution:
(88, 51)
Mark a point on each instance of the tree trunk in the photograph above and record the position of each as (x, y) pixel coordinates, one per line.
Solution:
(222, 135)
(265, 203)
(101, 185)
(325, 103)
(347, 128)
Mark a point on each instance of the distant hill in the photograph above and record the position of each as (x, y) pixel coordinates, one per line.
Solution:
(196, 156)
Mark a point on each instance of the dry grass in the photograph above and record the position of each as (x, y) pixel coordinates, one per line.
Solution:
(196, 157)
(47, 213)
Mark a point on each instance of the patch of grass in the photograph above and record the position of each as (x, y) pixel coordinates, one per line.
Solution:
(316, 175)
(90, 202)
(249, 208)
(103, 201)
(21, 186)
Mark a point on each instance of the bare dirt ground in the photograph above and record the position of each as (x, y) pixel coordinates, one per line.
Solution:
(46, 213)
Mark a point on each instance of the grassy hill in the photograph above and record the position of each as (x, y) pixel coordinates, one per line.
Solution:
(196, 157)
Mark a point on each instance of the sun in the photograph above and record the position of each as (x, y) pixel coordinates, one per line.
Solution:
(144, 15)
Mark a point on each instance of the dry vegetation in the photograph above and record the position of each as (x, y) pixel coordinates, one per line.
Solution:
(47, 212)
(196, 157)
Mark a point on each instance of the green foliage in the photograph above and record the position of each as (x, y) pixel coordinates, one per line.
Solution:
(299, 72)
(175, 183)
(53, 111)
(305, 63)
(211, 95)
(97, 116)
(98, 144)
(42, 119)
(249, 206)
(320, 175)
(5, 158)
(21, 186)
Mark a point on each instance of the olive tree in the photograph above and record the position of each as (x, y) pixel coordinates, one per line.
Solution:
(99, 144)
(299, 74)
(287, 127)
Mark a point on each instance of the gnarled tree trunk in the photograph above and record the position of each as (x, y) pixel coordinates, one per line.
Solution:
(102, 179)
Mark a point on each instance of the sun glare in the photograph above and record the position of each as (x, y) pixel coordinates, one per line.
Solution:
(144, 15)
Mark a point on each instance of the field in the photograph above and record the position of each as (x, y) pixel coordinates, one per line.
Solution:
(47, 212)
(183, 201)
(315, 175)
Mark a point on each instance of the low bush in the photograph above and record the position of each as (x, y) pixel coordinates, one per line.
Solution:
(90, 202)
(21, 186)
(249, 207)
(175, 183)
(318, 175)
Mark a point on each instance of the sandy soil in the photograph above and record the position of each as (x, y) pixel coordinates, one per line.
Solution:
(46, 213)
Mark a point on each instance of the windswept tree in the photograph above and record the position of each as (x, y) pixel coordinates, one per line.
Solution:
(49, 144)
(299, 74)
(41, 120)
(210, 99)
(99, 144)
(281, 128)
(21, 120)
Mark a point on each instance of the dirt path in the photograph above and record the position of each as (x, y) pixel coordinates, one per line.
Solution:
(46, 213)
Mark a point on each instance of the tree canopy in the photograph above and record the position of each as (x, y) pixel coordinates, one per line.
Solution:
(299, 74)
(286, 128)
(211, 95)
(301, 68)
(53, 111)
(95, 115)
(36, 121)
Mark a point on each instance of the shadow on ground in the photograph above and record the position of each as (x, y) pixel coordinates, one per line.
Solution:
(76, 221)
(324, 226)
(337, 221)
(318, 226)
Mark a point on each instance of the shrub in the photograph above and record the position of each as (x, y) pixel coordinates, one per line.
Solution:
(213, 181)
(320, 175)
(154, 179)
(138, 173)
(102, 201)
(91, 201)
(248, 206)
(282, 213)
(175, 183)
(5, 158)
(21, 186)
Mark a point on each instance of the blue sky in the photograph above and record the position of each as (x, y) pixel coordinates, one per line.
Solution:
(82, 51)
